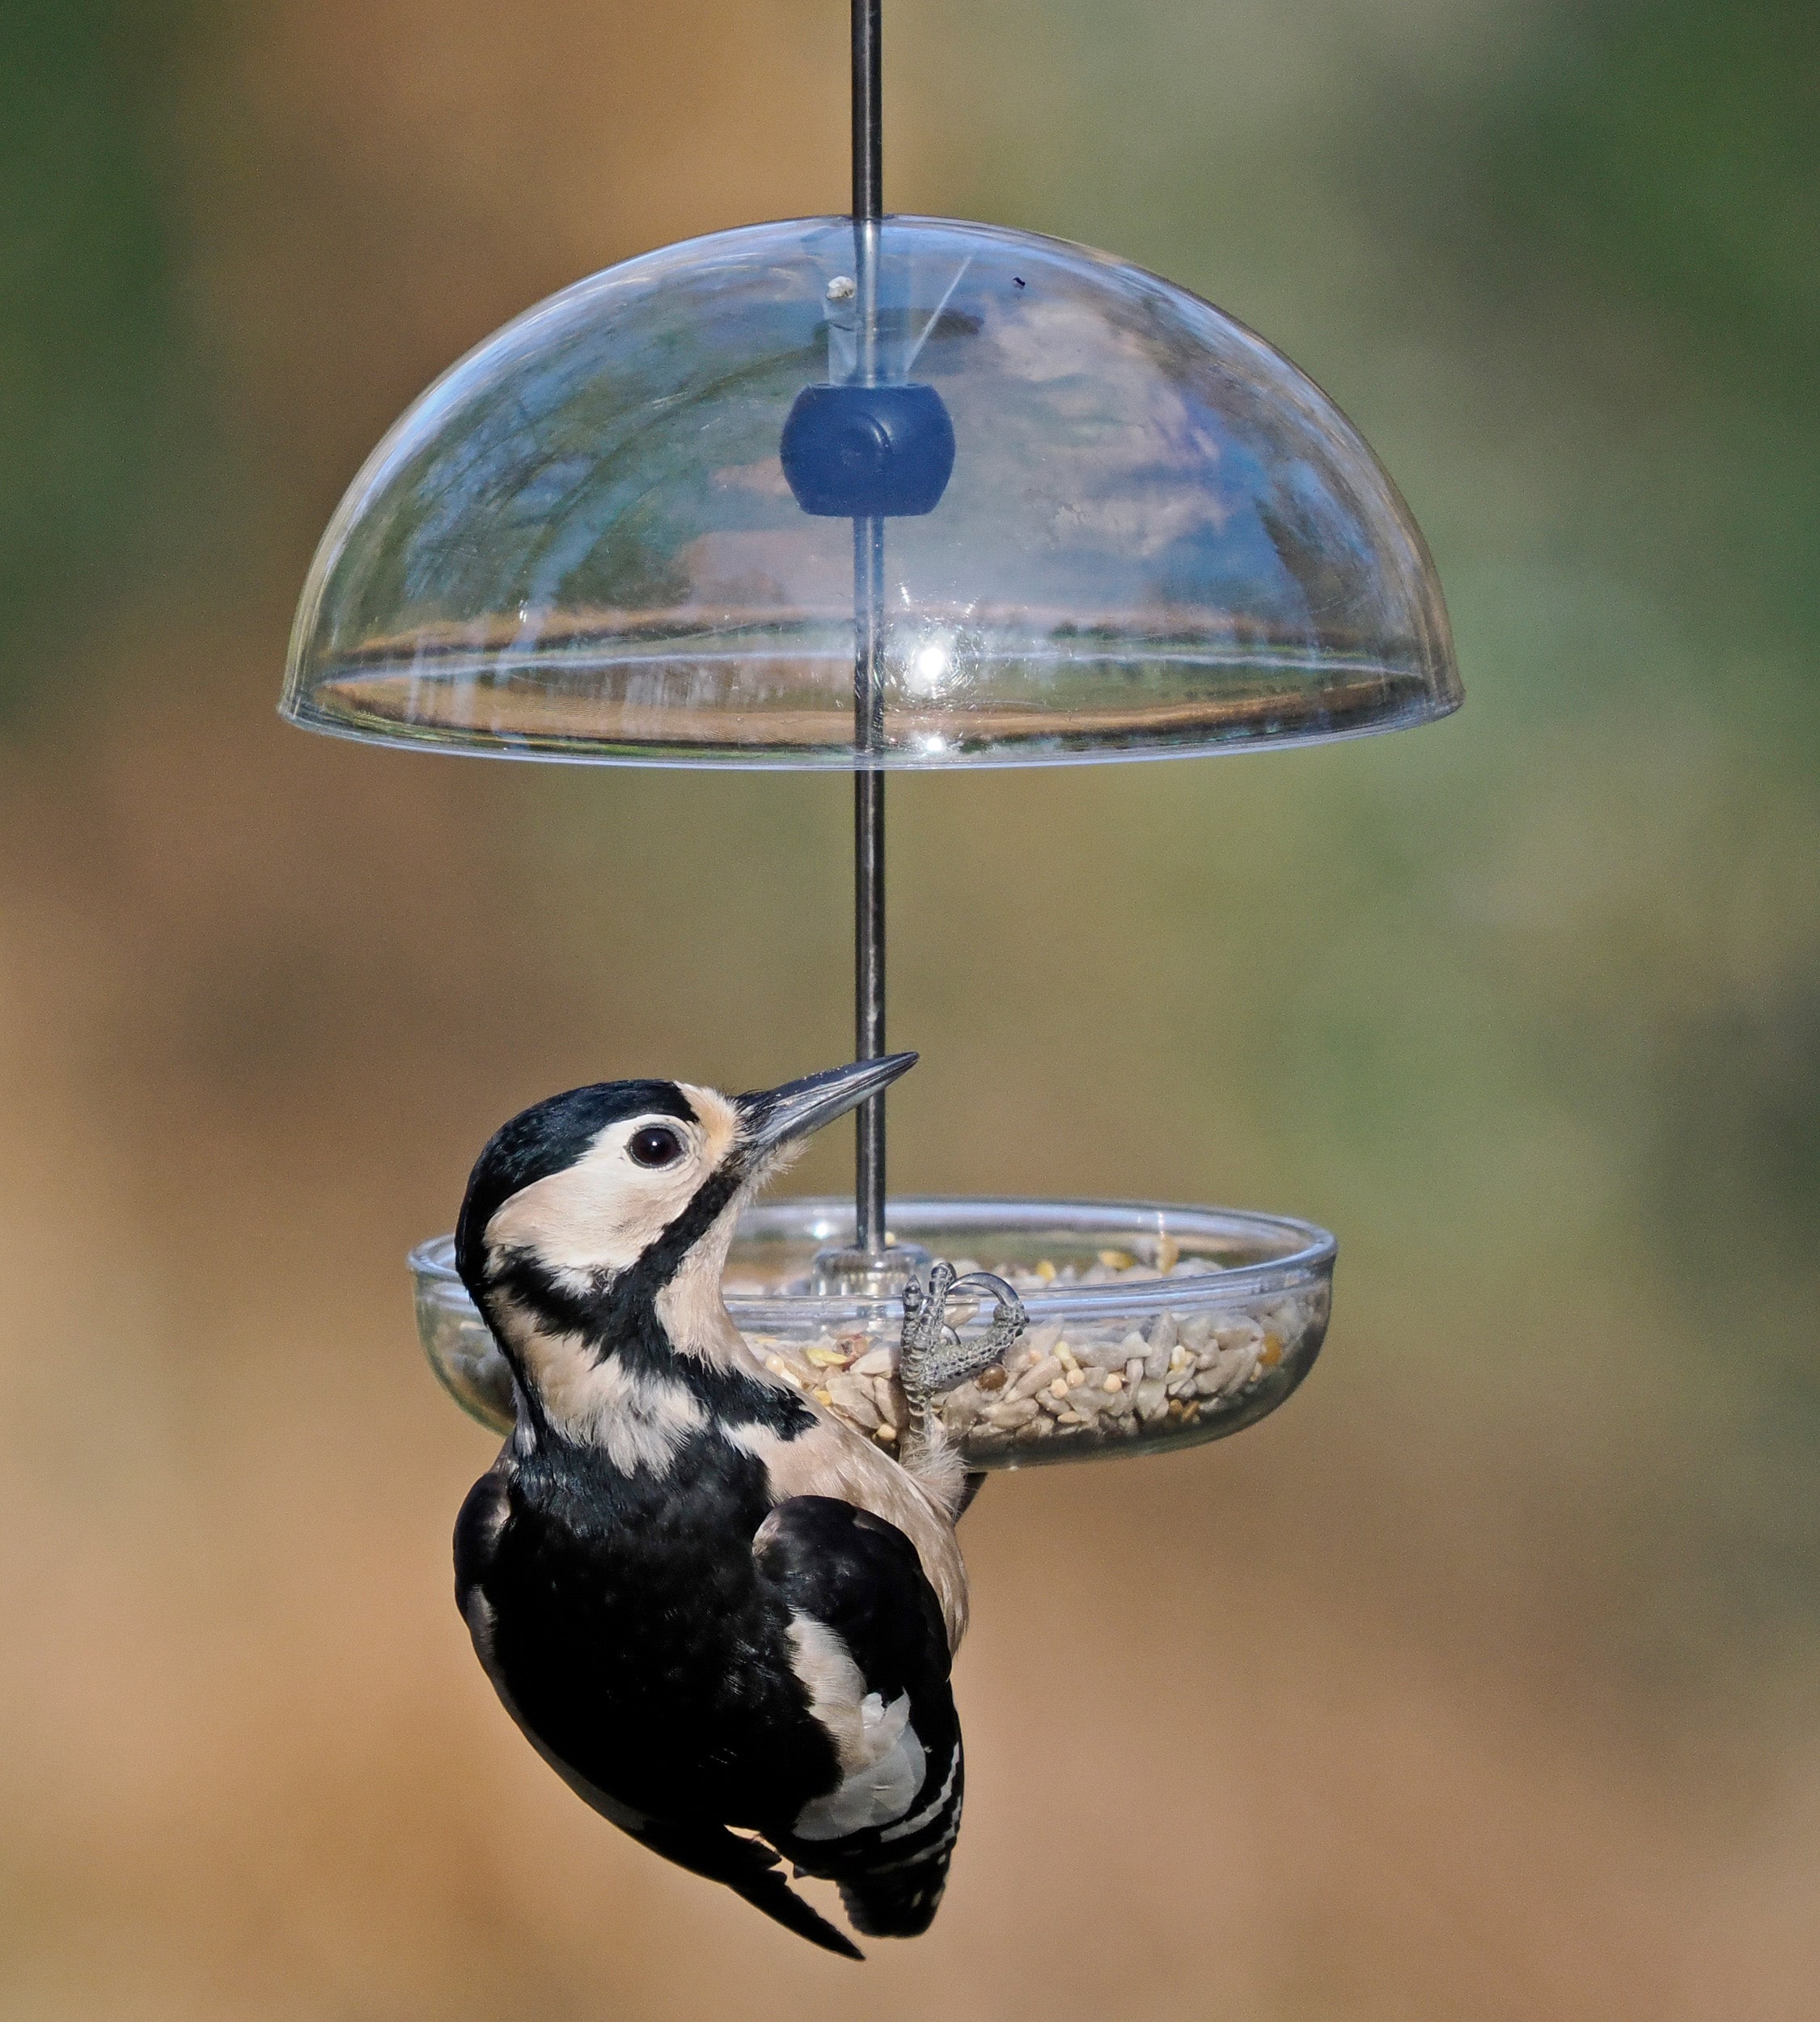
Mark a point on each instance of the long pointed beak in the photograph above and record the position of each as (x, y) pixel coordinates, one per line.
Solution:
(774, 1115)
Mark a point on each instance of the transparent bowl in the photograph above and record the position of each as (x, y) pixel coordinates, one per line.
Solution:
(1114, 523)
(1151, 1326)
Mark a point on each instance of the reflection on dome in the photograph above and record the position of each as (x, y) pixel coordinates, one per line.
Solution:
(930, 665)
(1157, 536)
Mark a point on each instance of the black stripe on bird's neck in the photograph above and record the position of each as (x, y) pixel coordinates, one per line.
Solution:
(618, 1316)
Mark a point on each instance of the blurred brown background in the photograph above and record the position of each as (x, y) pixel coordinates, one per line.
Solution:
(1480, 1683)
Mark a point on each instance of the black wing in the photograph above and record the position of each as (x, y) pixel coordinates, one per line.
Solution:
(749, 1869)
(859, 1577)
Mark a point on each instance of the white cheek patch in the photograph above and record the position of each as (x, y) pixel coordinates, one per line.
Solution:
(882, 1760)
(601, 1214)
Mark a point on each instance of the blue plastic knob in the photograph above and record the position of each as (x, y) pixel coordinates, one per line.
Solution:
(864, 452)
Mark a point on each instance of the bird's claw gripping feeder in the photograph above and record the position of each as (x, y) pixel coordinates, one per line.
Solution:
(892, 493)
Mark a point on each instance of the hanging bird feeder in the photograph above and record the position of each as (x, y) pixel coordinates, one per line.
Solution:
(884, 493)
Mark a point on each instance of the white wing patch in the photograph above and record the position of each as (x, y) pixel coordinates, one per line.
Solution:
(931, 1811)
(882, 1760)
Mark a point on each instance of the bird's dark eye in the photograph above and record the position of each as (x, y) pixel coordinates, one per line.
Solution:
(656, 1146)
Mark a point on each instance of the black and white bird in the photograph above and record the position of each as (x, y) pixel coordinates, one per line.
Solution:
(723, 1617)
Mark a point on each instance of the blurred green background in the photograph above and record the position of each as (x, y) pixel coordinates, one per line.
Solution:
(1480, 1683)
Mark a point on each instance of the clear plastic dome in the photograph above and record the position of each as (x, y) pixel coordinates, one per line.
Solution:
(624, 528)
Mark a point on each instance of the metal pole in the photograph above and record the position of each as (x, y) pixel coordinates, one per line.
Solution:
(868, 172)
(869, 700)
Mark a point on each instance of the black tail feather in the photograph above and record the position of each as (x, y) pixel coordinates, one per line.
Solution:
(774, 1896)
(750, 1870)
(900, 1905)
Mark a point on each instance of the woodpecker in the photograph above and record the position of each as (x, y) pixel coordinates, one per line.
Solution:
(725, 1620)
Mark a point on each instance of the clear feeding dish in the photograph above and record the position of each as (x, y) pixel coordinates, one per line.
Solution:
(1151, 1326)
(1113, 522)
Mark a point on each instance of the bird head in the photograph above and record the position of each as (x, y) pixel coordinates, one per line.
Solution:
(617, 1192)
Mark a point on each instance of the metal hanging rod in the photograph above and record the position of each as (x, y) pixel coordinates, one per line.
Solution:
(868, 701)
(869, 173)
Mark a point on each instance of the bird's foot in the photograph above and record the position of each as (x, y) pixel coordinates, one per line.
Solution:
(933, 1357)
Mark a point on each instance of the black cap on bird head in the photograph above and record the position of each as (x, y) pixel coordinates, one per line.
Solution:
(586, 1186)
